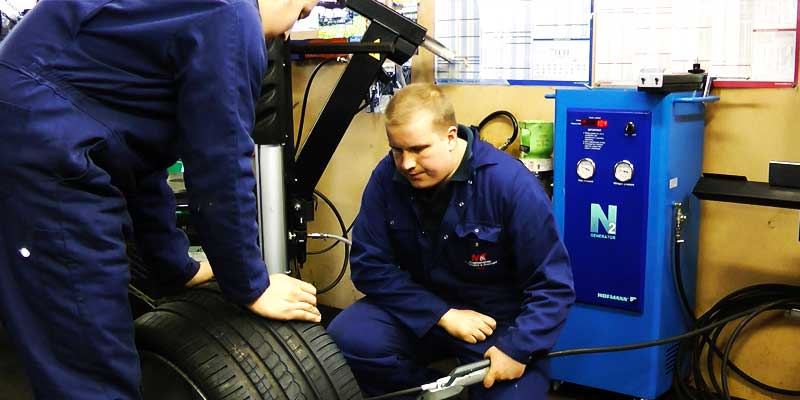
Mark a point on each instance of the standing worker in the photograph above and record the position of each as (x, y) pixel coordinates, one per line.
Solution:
(98, 98)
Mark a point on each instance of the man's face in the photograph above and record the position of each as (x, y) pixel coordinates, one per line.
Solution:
(422, 153)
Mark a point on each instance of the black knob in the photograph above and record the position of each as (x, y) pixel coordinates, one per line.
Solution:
(630, 128)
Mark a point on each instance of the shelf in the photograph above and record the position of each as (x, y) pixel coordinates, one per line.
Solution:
(737, 189)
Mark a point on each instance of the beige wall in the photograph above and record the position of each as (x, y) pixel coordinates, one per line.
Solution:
(743, 245)
(740, 245)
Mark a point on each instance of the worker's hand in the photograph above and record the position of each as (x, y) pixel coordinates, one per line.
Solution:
(287, 298)
(203, 275)
(503, 367)
(467, 325)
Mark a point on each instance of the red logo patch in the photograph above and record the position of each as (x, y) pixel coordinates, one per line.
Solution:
(478, 257)
(480, 261)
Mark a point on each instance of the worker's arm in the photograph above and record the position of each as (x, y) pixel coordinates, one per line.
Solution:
(161, 244)
(278, 16)
(375, 271)
(220, 62)
(542, 270)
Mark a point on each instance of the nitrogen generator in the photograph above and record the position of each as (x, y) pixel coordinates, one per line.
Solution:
(625, 165)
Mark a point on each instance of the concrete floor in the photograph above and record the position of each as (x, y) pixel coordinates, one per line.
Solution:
(14, 385)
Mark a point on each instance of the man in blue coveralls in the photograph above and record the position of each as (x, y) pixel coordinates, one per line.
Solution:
(97, 99)
(457, 252)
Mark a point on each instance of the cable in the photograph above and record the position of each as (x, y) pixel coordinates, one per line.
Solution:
(339, 219)
(324, 236)
(573, 352)
(298, 139)
(634, 346)
(754, 296)
(756, 299)
(514, 125)
(747, 303)
(346, 246)
(341, 272)
(728, 346)
(325, 250)
(677, 276)
(710, 341)
(334, 244)
(305, 103)
(744, 303)
(398, 393)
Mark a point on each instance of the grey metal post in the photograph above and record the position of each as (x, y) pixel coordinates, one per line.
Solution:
(271, 201)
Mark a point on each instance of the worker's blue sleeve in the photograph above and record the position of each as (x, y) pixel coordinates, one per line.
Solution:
(542, 270)
(375, 271)
(220, 62)
(160, 243)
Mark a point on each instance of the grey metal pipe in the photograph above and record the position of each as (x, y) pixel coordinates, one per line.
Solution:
(271, 208)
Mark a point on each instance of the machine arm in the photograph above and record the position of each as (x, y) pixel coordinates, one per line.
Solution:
(285, 196)
(387, 27)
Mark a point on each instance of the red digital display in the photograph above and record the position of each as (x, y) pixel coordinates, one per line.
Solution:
(600, 123)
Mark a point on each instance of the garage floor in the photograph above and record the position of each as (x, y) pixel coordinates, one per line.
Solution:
(14, 385)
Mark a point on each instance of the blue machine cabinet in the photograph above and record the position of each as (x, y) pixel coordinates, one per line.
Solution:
(622, 159)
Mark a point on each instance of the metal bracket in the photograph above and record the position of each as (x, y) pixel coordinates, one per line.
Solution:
(680, 219)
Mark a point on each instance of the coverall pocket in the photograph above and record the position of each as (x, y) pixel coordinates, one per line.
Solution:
(13, 124)
(403, 239)
(478, 253)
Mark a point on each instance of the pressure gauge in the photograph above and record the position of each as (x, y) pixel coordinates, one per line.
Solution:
(623, 171)
(585, 168)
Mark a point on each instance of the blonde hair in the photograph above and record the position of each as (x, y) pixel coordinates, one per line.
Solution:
(417, 97)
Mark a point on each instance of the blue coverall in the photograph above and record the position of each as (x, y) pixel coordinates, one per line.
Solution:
(98, 98)
(496, 251)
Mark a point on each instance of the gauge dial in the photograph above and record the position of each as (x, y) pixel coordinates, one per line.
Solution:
(586, 168)
(623, 171)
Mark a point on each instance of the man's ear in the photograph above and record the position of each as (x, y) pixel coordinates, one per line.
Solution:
(452, 137)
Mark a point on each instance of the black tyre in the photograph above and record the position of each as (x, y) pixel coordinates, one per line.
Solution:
(198, 346)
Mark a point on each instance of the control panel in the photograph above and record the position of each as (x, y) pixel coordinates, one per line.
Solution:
(606, 204)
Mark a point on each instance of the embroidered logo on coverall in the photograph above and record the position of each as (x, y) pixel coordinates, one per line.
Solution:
(480, 261)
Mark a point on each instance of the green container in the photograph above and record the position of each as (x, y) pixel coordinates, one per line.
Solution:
(536, 145)
(537, 142)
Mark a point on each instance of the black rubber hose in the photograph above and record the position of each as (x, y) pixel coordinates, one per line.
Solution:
(758, 298)
(711, 339)
(343, 270)
(305, 103)
(398, 393)
(732, 339)
(339, 219)
(609, 349)
(514, 125)
(749, 298)
(678, 278)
